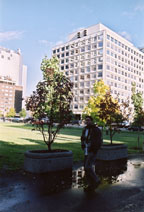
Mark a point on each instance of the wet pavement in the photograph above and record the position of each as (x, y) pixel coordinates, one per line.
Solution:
(121, 190)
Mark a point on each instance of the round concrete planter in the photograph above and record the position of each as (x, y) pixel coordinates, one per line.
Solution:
(112, 152)
(42, 161)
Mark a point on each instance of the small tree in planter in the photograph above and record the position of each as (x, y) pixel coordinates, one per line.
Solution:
(50, 103)
(137, 101)
(112, 113)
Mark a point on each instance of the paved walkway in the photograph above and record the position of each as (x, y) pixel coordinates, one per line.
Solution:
(28, 193)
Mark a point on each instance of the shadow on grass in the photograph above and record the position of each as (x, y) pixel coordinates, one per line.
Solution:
(12, 155)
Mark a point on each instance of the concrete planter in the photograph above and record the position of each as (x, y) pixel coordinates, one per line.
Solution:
(42, 161)
(112, 152)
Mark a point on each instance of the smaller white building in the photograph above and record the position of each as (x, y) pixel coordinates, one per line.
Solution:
(11, 66)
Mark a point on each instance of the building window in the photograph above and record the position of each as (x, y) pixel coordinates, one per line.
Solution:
(83, 49)
(100, 44)
(81, 84)
(82, 70)
(82, 77)
(100, 66)
(78, 35)
(88, 69)
(88, 47)
(99, 74)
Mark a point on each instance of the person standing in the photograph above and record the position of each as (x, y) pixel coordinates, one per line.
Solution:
(91, 141)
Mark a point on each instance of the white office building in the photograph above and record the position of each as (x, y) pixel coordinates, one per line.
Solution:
(96, 53)
(13, 76)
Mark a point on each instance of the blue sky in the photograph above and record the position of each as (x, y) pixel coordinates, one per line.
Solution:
(35, 26)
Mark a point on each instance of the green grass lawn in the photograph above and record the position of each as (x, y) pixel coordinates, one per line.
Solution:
(16, 138)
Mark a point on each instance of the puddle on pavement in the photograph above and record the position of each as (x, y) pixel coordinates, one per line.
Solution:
(109, 173)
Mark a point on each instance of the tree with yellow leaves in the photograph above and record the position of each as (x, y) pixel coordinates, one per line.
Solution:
(106, 110)
(92, 108)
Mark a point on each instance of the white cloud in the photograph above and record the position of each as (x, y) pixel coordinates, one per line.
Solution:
(126, 35)
(128, 14)
(46, 42)
(50, 44)
(10, 35)
(59, 42)
(139, 8)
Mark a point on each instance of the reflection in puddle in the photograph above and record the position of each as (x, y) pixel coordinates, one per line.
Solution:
(110, 172)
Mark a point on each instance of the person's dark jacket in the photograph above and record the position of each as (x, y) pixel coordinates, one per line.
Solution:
(94, 138)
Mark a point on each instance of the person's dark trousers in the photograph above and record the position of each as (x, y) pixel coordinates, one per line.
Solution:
(91, 177)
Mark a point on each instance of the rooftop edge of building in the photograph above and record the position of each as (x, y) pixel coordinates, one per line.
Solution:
(94, 29)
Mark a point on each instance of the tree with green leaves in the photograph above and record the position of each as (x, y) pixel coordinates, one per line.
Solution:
(22, 113)
(11, 113)
(51, 100)
(137, 100)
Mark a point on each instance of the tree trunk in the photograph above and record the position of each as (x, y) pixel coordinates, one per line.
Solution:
(111, 136)
(49, 147)
(138, 141)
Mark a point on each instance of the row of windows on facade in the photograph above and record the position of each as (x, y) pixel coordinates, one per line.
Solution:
(5, 94)
(120, 64)
(5, 85)
(6, 98)
(85, 57)
(122, 55)
(80, 43)
(81, 98)
(125, 86)
(76, 106)
(6, 104)
(83, 70)
(6, 90)
(88, 69)
(86, 83)
(2, 56)
(125, 71)
(82, 77)
(124, 46)
(76, 73)
(82, 49)
(93, 53)
(121, 86)
(124, 79)
(124, 63)
(79, 106)
(83, 91)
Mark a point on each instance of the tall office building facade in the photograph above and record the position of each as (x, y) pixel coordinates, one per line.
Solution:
(96, 53)
(13, 76)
